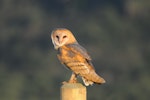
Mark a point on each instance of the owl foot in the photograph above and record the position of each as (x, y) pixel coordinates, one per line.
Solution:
(70, 81)
(64, 82)
(73, 80)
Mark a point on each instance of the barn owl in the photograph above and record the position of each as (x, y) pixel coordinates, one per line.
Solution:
(75, 57)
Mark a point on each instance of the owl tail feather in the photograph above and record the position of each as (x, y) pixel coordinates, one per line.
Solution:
(91, 78)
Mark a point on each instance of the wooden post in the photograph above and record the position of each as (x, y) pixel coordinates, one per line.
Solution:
(73, 91)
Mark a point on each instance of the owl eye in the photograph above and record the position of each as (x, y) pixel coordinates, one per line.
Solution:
(64, 36)
(57, 36)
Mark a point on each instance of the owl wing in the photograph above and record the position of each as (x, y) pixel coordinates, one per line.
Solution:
(78, 49)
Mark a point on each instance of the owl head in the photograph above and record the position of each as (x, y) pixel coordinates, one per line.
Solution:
(62, 36)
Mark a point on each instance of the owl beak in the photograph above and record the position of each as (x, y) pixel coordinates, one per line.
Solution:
(60, 41)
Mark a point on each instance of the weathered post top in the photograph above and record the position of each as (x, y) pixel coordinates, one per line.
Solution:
(73, 91)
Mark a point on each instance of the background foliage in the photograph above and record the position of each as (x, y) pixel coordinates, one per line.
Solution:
(115, 32)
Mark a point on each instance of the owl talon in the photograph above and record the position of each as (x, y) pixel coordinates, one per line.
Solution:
(70, 81)
(73, 81)
(64, 82)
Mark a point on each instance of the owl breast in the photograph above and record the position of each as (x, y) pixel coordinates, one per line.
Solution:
(73, 61)
(66, 56)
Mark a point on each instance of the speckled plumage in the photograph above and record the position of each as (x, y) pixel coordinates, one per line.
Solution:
(74, 57)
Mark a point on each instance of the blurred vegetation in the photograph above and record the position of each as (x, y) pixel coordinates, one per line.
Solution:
(115, 32)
